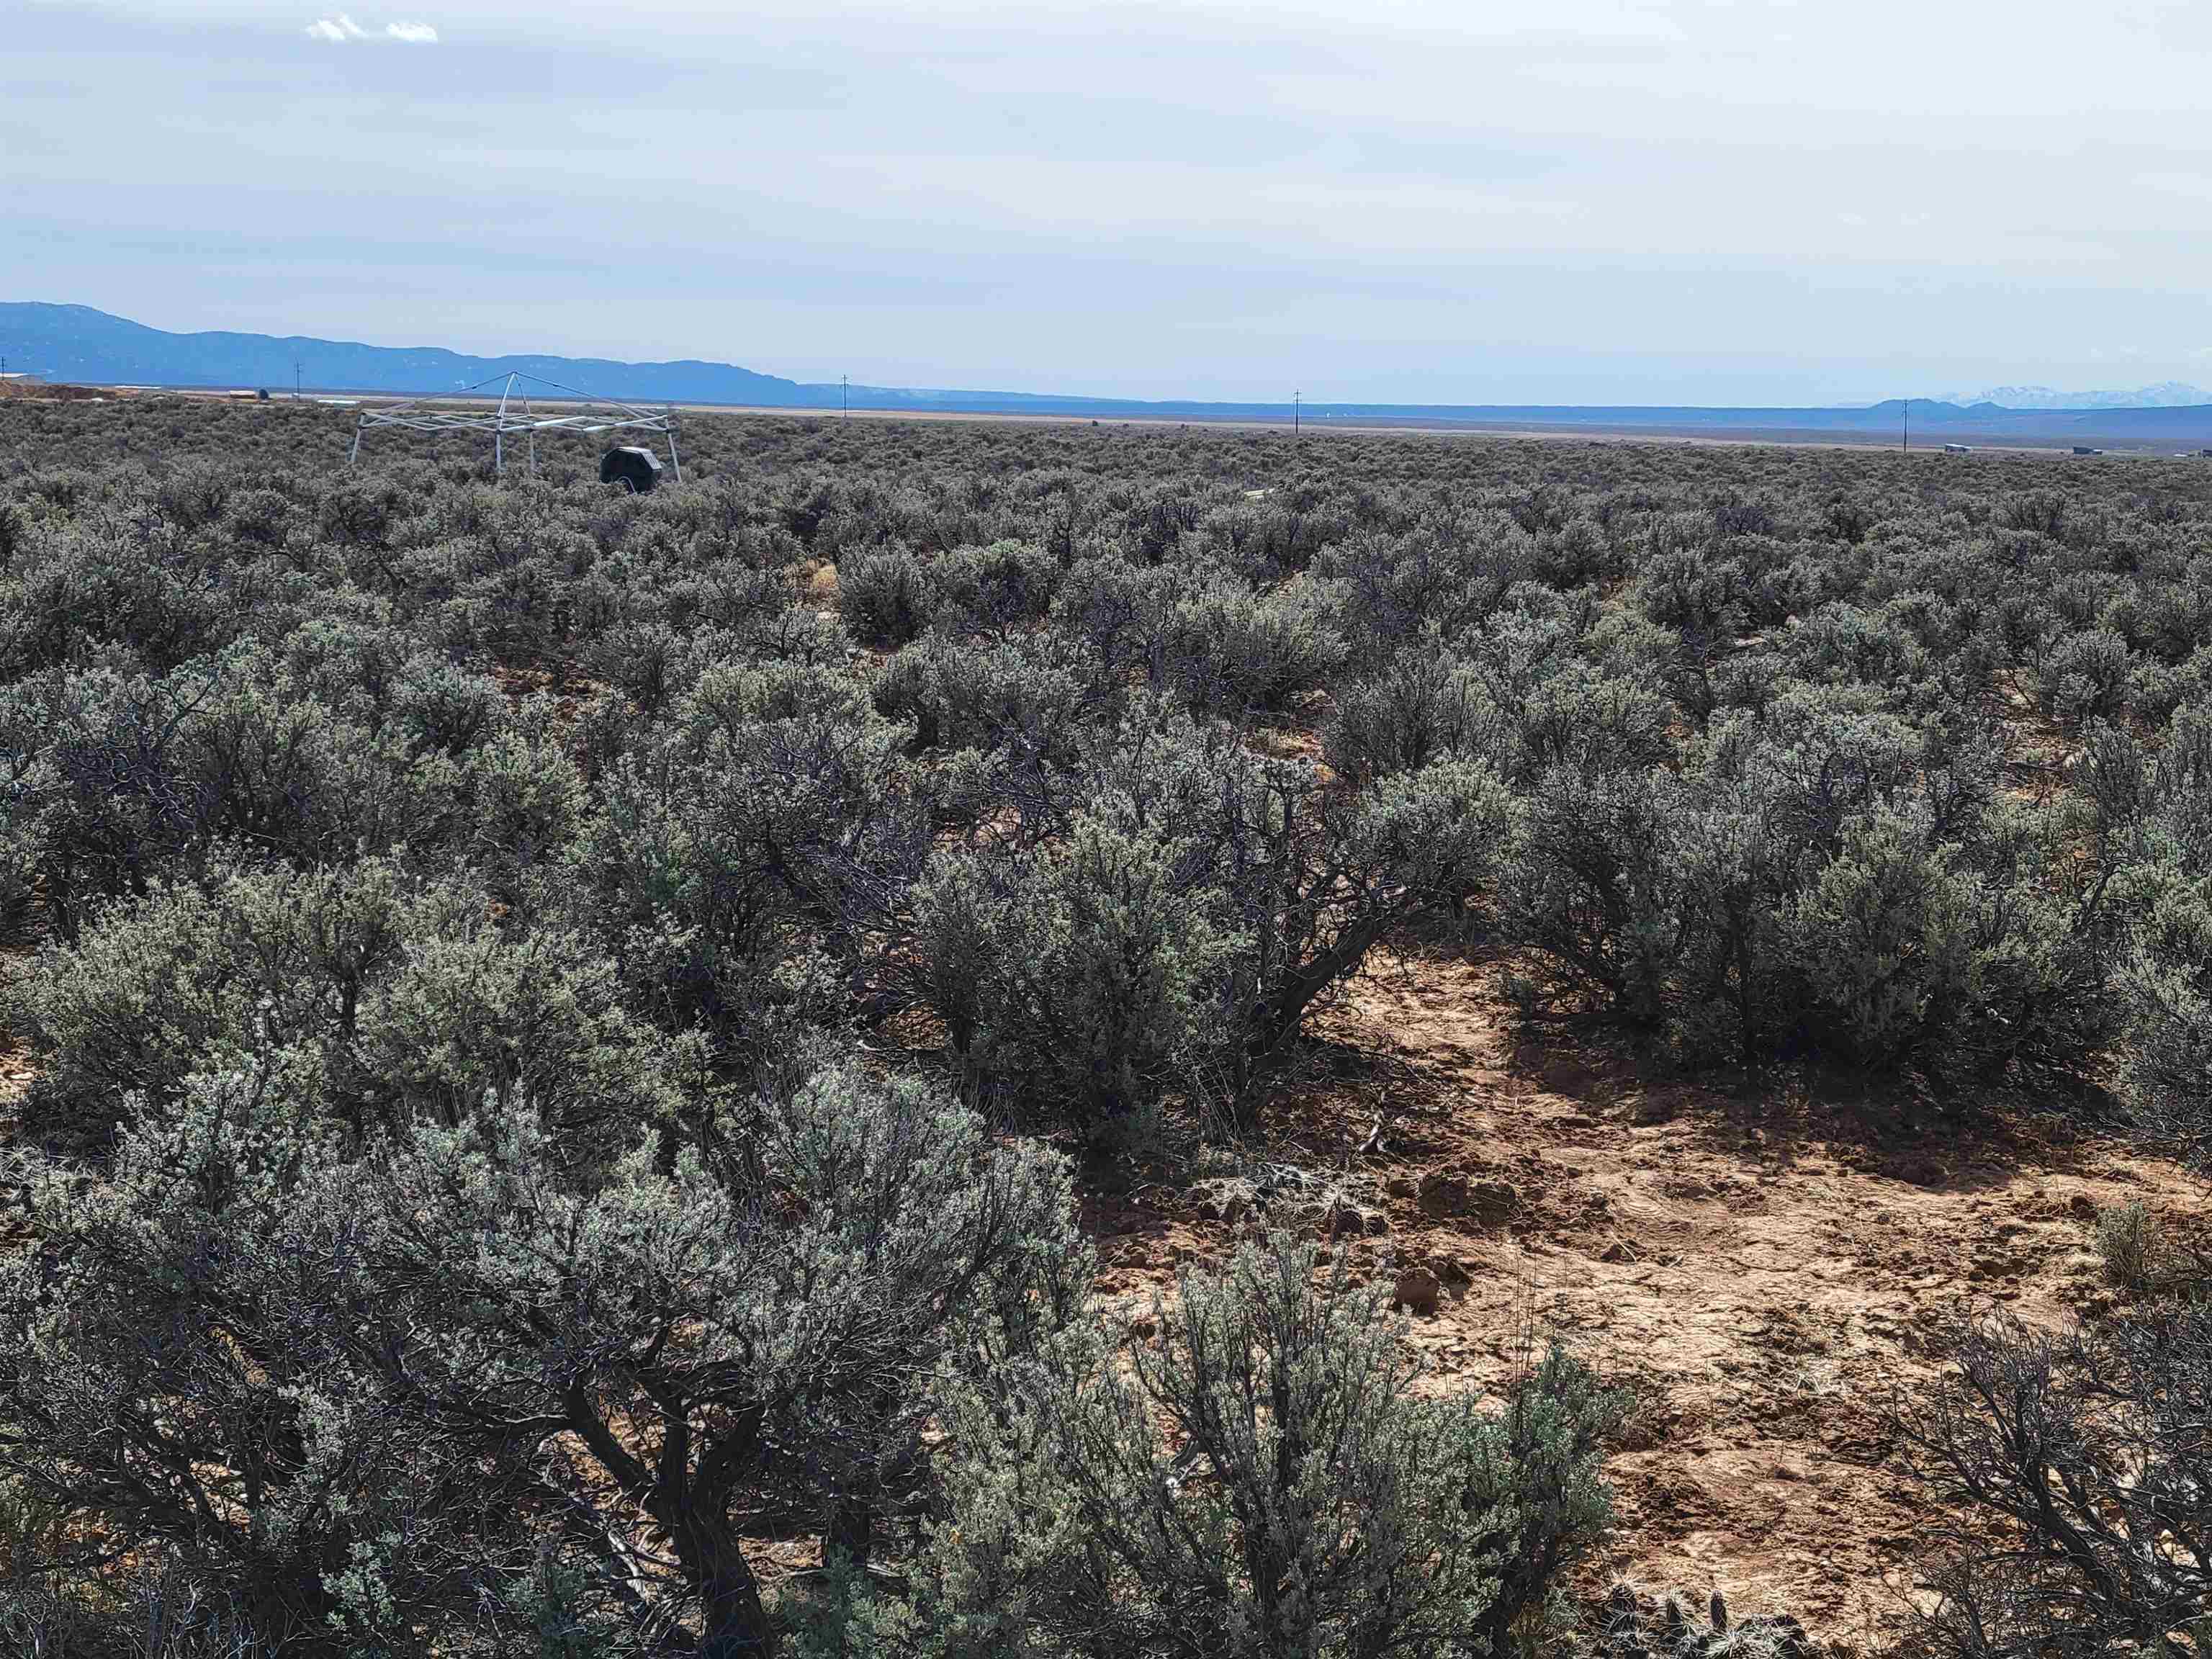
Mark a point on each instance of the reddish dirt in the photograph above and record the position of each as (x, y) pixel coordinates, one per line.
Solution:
(1766, 1269)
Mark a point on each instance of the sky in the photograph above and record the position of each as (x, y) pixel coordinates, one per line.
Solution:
(1436, 201)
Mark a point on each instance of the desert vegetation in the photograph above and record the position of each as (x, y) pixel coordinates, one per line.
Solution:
(573, 1047)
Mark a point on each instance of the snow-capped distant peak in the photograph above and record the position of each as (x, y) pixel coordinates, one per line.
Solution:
(2167, 394)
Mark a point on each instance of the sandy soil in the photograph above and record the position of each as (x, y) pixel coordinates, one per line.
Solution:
(1767, 1270)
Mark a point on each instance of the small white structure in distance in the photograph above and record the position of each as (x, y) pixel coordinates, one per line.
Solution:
(575, 411)
(1958, 449)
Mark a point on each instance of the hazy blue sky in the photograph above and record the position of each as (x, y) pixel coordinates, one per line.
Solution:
(1465, 201)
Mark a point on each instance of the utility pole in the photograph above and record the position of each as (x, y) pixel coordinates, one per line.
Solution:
(295, 380)
(1908, 426)
(846, 380)
(1298, 413)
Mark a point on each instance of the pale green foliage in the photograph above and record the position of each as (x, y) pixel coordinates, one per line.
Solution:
(1423, 703)
(185, 1368)
(435, 908)
(475, 1021)
(1094, 975)
(2128, 1245)
(395, 997)
(1878, 936)
(2153, 819)
(2167, 986)
(1593, 882)
(1225, 648)
(1024, 696)
(884, 596)
(1449, 571)
(2086, 677)
(772, 815)
(1817, 879)
(1177, 929)
(528, 798)
(761, 1324)
(848, 1614)
(991, 591)
(1264, 1483)
(330, 1374)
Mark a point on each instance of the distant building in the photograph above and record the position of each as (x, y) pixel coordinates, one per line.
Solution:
(2084, 449)
(1958, 449)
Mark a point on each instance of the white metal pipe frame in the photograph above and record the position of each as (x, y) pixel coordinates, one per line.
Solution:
(516, 413)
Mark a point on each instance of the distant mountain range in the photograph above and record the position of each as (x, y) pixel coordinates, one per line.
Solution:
(78, 344)
(2167, 394)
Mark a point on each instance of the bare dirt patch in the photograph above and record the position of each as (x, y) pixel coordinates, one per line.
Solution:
(1766, 1268)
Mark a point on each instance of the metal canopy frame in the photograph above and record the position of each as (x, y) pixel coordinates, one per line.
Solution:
(516, 413)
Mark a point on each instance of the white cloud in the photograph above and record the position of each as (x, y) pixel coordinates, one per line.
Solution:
(342, 28)
(1603, 200)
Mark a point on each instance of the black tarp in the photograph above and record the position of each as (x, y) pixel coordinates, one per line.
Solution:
(630, 465)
